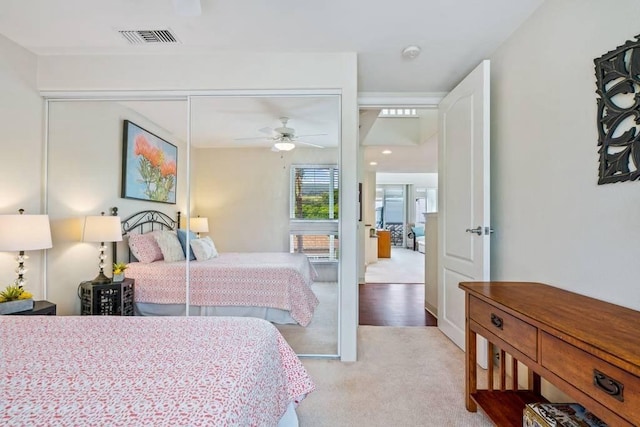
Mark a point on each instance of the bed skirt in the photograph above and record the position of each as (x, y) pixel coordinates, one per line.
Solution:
(273, 315)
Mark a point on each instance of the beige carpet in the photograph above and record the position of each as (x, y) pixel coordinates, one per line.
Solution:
(321, 335)
(405, 376)
(404, 266)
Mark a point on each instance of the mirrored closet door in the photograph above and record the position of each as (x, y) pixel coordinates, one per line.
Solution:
(269, 211)
(265, 175)
(91, 145)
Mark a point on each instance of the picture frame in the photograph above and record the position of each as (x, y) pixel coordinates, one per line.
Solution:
(149, 166)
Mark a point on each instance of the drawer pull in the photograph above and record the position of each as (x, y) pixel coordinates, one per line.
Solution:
(496, 321)
(608, 385)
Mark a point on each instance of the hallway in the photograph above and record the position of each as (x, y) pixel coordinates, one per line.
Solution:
(393, 304)
(404, 266)
(393, 294)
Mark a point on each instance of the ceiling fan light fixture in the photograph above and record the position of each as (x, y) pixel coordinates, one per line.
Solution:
(284, 146)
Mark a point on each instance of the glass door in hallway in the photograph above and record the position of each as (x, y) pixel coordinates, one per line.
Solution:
(390, 211)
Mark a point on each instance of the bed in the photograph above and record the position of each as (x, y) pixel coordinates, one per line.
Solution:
(271, 285)
(130, 371)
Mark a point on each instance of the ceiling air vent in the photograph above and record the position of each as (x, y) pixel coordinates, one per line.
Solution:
(149, 36)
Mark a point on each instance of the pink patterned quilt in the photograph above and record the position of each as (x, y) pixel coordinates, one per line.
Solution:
(256, 279)
(151, 371)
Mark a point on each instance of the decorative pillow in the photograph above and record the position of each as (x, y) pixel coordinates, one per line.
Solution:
(170, 246)
(204, 248)
(144, 247)
(182, 237)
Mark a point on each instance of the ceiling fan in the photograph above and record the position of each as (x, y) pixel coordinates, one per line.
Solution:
(284, 138)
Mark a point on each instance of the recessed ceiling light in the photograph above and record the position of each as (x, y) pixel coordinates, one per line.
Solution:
(373, 163)
(386, 152)
(411, 52)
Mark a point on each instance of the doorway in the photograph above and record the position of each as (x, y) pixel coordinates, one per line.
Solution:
(400, 179)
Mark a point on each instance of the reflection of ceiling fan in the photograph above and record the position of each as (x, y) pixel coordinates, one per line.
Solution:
(284, 138)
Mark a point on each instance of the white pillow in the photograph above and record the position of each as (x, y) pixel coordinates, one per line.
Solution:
(170, 246)
(204, 248)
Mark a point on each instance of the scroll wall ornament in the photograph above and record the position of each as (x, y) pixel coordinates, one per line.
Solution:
(618, 81)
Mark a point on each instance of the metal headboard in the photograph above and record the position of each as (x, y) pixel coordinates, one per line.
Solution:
(144, 222)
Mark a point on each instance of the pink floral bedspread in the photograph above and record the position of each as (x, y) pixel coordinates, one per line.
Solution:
(257, 279)
(151, 371)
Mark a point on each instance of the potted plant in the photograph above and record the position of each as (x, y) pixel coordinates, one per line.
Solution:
(14, 298)
(118, 271)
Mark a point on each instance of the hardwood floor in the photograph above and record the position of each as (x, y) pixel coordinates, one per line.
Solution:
(394, 305)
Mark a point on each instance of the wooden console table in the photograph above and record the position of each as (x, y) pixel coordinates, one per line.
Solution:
(587, 348)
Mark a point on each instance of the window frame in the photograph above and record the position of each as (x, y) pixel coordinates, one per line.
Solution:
(334, 177)
(303, 226)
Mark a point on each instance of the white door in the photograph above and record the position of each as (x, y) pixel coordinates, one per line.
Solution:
(463, 178)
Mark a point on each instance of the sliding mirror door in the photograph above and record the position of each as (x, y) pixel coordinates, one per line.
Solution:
(264, 178)
(271, 213)
(86, 142)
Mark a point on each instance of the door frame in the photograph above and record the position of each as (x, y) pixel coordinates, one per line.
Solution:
(376, 100)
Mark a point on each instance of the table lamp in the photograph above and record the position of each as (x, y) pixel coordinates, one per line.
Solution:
(100, 228)
(24, 233)
(199, 225)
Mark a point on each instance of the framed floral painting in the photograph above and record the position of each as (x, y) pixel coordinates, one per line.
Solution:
(149, 166)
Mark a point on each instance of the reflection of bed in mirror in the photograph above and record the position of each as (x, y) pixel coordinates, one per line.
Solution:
(89, 370)
(272, 285)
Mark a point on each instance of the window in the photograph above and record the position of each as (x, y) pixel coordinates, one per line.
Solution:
(314, 192)
(432, 200)
(313, 227)
(398, 112)
(390, 211)
(420, 208)
(318, 247)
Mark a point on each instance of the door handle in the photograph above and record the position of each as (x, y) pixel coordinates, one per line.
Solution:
(477, 230)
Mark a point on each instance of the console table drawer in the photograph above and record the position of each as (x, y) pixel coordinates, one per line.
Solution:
(516, 332)
(615, 388)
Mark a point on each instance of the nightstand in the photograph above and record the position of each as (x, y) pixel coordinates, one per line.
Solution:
(40, 308)
(107, 299)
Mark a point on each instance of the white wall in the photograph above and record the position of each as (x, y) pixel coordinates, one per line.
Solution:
(84, 178)
(333, 72)
(244, 192)
(21, 145)
(553, 223)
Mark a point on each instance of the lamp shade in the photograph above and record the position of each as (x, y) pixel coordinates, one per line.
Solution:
(98, 228)
(24, 232)
(199, 225)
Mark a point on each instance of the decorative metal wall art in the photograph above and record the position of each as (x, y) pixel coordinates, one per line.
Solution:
(618, 80)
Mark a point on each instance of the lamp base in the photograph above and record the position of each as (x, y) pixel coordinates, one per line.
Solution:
(101, 279)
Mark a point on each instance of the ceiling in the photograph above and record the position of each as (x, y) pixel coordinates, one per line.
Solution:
(454, 36)
(240, 121)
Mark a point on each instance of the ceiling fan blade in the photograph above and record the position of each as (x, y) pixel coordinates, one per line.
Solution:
(255, 138)
(315, 134)
(266, 130)
(308, 143)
